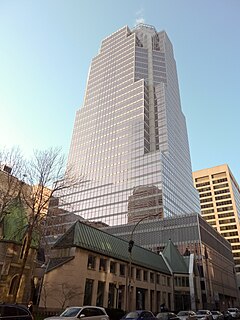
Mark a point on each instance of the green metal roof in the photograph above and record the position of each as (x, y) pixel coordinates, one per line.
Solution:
(15, 222)
(57, 262)
(174, 258)
(95, 240)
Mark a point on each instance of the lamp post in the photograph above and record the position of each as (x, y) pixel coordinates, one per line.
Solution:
(130, 247)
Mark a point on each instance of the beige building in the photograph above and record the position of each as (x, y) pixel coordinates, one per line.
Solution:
(220, 205)
(91, 267)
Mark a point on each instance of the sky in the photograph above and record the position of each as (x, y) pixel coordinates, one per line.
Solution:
(46, 47)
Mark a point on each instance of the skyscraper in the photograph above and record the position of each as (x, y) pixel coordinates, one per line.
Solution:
(131, 133)
(220, 205)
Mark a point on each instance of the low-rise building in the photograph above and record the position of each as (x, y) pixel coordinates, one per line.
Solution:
(191, 234)
(12, 246)
(91, 267)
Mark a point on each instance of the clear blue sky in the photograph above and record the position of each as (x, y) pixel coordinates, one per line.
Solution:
(46, 47)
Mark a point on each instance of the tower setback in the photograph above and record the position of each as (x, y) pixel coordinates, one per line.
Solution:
(130, 135)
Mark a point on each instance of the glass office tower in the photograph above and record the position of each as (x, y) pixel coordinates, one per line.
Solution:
(130, 139)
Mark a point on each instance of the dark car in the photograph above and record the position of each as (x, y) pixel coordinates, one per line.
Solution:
(139, 315)
(204, 315)
(167, 316)
(217, 315)
(14, 312)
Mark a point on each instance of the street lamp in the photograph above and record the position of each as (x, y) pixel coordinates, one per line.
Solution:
(130, 247)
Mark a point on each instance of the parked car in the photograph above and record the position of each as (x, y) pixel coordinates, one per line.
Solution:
(187, 315)
(217, 315)
(227, 315)
(86, 312)
(167, 316)
(204, 315)
(14, 312)
(139, 314)
(234, 312)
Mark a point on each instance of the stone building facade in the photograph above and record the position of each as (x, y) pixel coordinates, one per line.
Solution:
(91, 267)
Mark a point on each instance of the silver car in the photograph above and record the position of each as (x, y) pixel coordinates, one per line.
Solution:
(187, 315)
(234, 312)
(86, 312)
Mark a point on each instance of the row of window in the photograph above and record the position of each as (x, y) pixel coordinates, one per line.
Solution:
(219, 180)
(210, 205)
(141, 275)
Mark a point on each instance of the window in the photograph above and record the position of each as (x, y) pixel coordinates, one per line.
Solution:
(91, 262)
(88, 292)
(202, 184)
(100, 293)
(227, 196)
(221, 191)
(14, 311)
(225, 215)
(207, 206)
(218, 175)
(168, 281)
(138, 274)
(111, 295)
(122, 269)
(208, 211)
(151, 277)
(13, 285)
(204, 189)
(112, 267)
(222, 203)
(145, 275)
(236, 254)
(103, 264)
(206, 200)
(208, 194)
(225, 221)
(92, 312)
(209, 217)
(220, 180)
(235, 247)
(224, 209)
(221, 186)
(234, 240)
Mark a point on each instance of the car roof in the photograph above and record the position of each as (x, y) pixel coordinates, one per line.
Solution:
(3, 304)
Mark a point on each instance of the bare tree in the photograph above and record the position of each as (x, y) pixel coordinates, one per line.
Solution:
(44, 175)
(11, 174)
(46, 291)
(64, 294)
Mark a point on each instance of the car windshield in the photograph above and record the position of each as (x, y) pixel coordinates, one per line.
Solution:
(201, 312)
(70, 312)
(162, 315)
(132, 315)
(182, 313)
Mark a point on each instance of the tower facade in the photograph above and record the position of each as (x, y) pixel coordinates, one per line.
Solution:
(220, 205)
(131, 133)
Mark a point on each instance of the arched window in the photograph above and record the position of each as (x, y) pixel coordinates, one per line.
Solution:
(14, 285)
